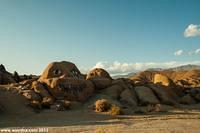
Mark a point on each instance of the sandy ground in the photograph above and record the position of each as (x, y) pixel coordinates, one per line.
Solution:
(89, 122)
(16, 116)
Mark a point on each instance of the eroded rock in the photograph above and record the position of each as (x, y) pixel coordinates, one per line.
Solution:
(129, 97)
(100, 78)
(146, 95)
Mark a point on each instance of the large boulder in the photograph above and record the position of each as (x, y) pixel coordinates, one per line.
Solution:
(194, 93)
(101, 83)
(60, 81)
(100, 78)
(166, 82)
(64, 81)
(124, 83)
(70, 89)
(58, 69)
(163, 80)
(114, 91)
(40, 89)
(146, 95)
(98, 72)
(129, 97)
(162, 93)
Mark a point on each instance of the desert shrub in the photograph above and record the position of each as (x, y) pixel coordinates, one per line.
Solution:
(115, 110)
(106, 130)
(100, 130)
(102, 105)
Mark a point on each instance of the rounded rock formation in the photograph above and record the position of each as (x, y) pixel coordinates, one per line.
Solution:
(162, 79)
(65, 82)
(58, 69)
(100, 78)
(98, 72)
(146, 95)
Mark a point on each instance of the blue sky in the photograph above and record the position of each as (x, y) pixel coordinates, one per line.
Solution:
(102, 33)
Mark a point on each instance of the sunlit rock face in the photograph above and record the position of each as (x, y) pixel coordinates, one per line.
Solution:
(65, 81)
(61, 69)
(98, 72)
(100, 77)
(163, 80)
(60, 83)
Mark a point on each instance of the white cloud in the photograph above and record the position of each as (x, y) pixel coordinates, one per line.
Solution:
(195, 52)
(192, 31)
(178, 52)
(116, 67)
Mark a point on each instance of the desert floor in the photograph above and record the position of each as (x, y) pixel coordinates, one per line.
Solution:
(16, 116)
(176, 121)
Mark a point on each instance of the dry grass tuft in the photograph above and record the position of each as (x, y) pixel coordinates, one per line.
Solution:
(102, 105)
(115, 110)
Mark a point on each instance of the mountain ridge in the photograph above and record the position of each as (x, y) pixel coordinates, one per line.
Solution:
(178, 68)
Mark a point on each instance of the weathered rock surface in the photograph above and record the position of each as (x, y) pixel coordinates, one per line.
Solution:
(114, 91)
(62, 84)
(163, 80)
(101, 83)
(100, 78)
(146, 95)
(162, 93)
(5, 77)
(129, 97)
(98, 72)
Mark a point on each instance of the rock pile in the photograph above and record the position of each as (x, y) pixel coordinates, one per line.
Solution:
(62, 83)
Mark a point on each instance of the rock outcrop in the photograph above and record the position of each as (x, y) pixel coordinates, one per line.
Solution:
(100, 78)
(62, 84)
(98, 72)
(146, 95)
(59, 81)
(5, 77)
(128, 97)
(163, 80)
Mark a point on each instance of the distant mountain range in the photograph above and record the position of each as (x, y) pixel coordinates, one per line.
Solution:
(124, 76)
(184, 67)
(179, 68)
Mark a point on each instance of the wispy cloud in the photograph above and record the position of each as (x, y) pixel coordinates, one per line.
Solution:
(195, 52)
(178, 52)
(116, 67)
(192, 30)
